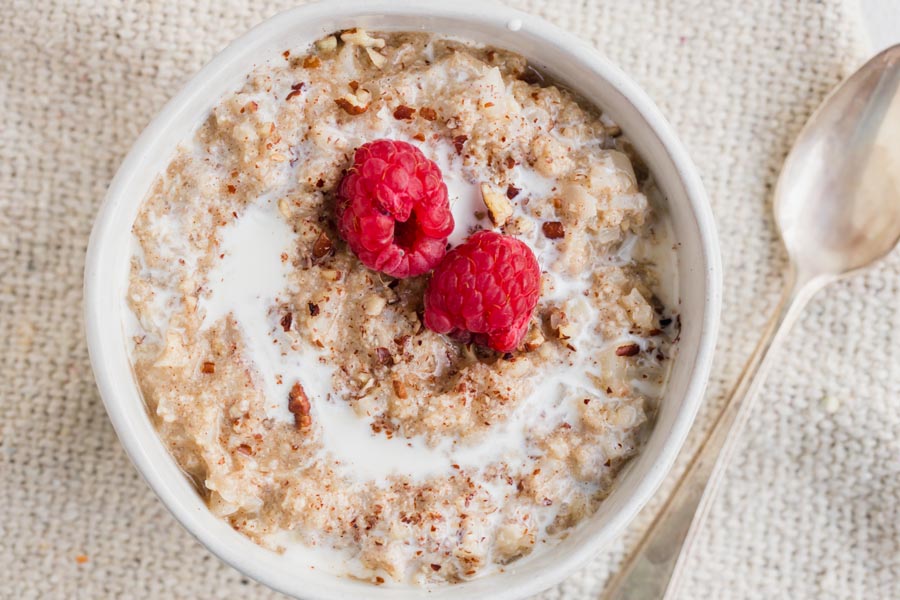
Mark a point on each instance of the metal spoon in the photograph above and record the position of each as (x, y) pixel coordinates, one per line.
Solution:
(837, 206)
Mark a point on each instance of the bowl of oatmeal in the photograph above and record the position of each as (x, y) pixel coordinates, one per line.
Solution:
(395, 299)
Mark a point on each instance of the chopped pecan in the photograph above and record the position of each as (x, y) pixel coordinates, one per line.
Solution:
(553, 230)
(351, 108)
(284, 208)
(298, 404)
(400, 389)
(458, 142)
(378, 59)
(373, 305)
(628, 350)
(312, 62)
(533, 339)
(327, 44)
(512, 191)
(295, 90)
(384, 356)
(208, 368)
(428, 113)
(286, 321)
(404, 113)
(359, 37)
(355, 103)
(322, 246)
(313, 309)
(499, 208)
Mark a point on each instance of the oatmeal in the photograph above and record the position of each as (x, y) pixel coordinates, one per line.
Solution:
(302, 391)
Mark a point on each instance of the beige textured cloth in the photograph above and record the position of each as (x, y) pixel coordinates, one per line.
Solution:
(810, 505)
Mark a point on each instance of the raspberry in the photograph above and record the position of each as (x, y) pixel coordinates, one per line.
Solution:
(392, 209)
(484, 291)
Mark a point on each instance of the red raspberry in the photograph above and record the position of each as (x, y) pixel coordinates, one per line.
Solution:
(484, 291)
(392, 209)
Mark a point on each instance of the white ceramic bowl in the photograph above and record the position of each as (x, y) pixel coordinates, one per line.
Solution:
(571, 62)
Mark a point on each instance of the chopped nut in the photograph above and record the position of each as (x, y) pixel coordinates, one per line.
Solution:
(295, 91)
(458, 142)
(245, 449)
(350, 106)
(284, 208)
(356, 103)
(327, 44)
(322, 246)
(384, 356)
(298, 404)
(312, 62)
(428, 113)
(404, 112)
(499, 208)
(378, 59)
(628, 350)
(534, 339)
(566, 331)
(400, 389)
(374, 305)
(435, 567)
(313, 309)
(553, 230)
(519, 226)
(231, 189)
(286, 321)
(512, 191)
(359, 37)
(208, 368)
(510, 162)
(559, 322)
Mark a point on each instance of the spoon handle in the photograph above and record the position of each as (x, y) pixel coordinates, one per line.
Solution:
(652, 570)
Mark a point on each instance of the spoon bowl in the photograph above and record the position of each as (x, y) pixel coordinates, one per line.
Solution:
(837, 203)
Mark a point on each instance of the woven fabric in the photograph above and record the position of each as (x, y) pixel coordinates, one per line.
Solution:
(809, 508)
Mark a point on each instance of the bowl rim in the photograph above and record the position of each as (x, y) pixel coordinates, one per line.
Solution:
(96, 328)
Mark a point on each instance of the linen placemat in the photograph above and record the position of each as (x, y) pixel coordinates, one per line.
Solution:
(809, 508)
